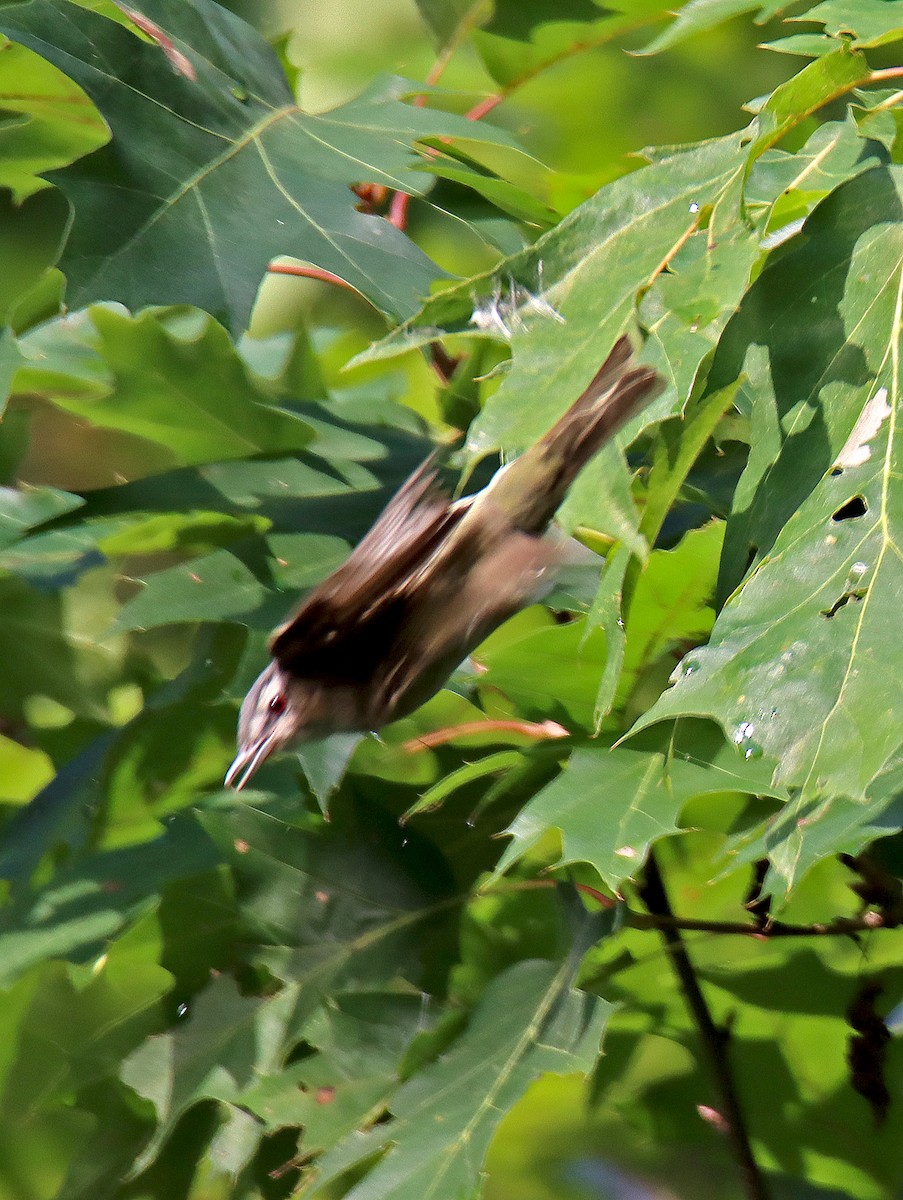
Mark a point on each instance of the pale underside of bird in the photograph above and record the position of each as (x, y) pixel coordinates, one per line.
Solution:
(429, 582)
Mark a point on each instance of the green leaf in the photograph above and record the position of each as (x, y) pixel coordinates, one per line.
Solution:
(360, 1039)
(223, 586)
(50, 650)
(834, 154)
(451, 20)
(606, 612)
(826, 78)
(809, 830)
(610, 805)
(523, 37)
(867, 22)
(803, 408)
(171, 377)
(801, 662)
(217, 587)
(529, 1021)
(23, 508)
(490, 764)
(549, 670)
(31, 236)
(46, 121)
(94, 899)
(802, 658)
(24, 772)
(549, 300)
(563, 301)
(257, 177)
(226, 1045)
(672, 603)
(699, 15)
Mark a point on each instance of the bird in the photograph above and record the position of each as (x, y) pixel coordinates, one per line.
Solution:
(430, 581)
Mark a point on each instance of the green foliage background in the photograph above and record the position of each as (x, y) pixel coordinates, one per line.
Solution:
(440, 962)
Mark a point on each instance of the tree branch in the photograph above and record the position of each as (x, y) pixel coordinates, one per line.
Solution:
(714, 1038)
(839, 927)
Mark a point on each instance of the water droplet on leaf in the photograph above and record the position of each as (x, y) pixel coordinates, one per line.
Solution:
(743, 739)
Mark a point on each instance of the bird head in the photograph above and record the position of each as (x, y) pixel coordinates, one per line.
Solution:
(273, 715)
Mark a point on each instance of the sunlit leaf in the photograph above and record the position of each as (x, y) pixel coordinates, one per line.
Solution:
(610, 805)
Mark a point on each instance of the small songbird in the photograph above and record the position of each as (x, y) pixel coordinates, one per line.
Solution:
(427, 584)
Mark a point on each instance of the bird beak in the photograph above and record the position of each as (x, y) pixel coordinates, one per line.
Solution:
(247, 762)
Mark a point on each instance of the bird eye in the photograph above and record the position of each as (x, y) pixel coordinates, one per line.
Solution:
(277, 704)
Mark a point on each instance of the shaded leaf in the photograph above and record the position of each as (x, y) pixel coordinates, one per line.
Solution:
(530, 1020)
(257, 177)
(31, 236)
(91, 901)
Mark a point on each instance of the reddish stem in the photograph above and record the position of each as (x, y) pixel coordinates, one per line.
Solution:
(486, 105)
(538, 730)
(308, 272)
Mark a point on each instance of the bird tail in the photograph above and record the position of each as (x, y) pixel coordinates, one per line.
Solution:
(534, 485)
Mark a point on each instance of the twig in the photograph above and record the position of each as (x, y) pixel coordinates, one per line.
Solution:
(714, 1038)
(840, 927)
(438, 737)
(308, 272)
(659, 923)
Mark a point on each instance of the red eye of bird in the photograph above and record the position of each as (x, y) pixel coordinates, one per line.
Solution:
(277, 704)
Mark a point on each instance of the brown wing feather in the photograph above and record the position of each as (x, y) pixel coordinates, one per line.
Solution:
(341, 629)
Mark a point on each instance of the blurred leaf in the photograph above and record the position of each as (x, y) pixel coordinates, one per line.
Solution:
(24, 771)
(869, 22)
(451, 20)
(23, 508)
(213, 588)
(171, 377)
(223, 586)
(699, 15)
(45, 655)
(95, 898)
(521, 39)
(46, 121)
(31, 236)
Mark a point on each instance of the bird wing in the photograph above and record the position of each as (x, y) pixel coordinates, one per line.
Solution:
(340, 631)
